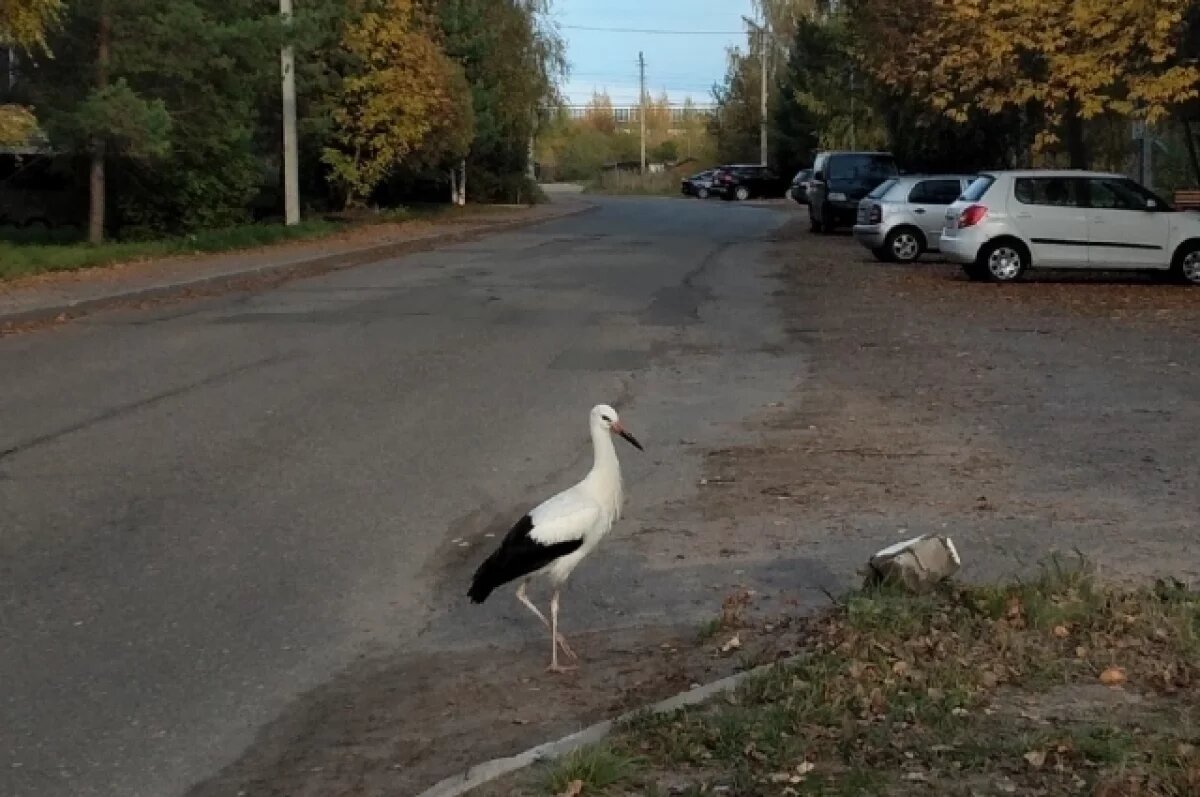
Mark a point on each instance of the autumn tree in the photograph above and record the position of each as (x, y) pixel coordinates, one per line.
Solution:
(25, 23)
(1072, 60)
(513, 56)
(599, 113)
(405, 100)
(735, 124)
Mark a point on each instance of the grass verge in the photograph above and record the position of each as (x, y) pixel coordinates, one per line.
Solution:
(1057, 686)
(25, 253)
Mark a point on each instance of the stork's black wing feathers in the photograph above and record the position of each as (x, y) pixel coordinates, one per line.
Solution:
(518, 555)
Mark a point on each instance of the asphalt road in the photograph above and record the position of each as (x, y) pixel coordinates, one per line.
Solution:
(213, 506)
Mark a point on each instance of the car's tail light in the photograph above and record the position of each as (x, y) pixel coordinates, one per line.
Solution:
(971, 215)
(874, 214)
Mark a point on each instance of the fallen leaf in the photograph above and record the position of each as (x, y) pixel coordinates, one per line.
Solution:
(1036, 758)
(574, 789)
(1061, 631)
(806, 767)
(734, 643)
(1113, 676)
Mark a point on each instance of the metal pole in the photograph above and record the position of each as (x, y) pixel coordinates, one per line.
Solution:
(853, 130)
(642, 105)
(291, 154)
(762, 125)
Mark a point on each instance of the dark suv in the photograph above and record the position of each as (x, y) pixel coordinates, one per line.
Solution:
(743, 182)
(839, 181)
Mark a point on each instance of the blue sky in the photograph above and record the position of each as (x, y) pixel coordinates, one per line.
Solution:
(683, 65)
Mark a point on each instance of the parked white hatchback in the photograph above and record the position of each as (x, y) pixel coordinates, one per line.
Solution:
(903, 217)
(1008, 222)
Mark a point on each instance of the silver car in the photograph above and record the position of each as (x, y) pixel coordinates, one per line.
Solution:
(903, 218)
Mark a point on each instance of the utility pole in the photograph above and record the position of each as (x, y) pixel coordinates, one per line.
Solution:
(762, 125)
(763, 39)
(642, 105)
(853, 129)
(291, 155)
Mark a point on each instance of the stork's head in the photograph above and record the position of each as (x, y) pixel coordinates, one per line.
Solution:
(605, 417)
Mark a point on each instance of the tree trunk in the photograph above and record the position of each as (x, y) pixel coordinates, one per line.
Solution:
(453, 185)
(1190, 141)
(96, 187)
(462, 184)
(1073, 134)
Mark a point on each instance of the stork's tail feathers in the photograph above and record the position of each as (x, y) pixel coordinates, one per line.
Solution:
(486, 579)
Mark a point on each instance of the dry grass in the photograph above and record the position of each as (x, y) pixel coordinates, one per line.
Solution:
(1059, 686)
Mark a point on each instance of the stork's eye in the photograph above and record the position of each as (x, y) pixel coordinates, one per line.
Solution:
(606, 419)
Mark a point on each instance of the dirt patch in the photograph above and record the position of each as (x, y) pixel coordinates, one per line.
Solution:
(1023, 419)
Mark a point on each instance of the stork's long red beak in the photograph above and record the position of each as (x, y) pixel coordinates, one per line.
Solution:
(620, 430)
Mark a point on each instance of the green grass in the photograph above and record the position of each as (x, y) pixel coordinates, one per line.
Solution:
(24, 252)
(594, 767)
(941, 695)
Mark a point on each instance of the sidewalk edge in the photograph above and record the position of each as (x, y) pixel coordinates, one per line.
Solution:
(270, 275)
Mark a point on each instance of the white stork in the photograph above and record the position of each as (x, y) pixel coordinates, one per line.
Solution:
(555, 536)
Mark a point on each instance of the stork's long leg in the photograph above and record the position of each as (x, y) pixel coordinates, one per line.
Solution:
(555, 639)
(523, 598)
(562, 643)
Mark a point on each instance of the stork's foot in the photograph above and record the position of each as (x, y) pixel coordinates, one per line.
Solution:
(566, 649)
(561, 669)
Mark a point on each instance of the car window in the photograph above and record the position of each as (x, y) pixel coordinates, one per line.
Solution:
(1062, 192)
(935, 192)
(1116, 194)
(882, 189)
(978, 188)
(861, 168)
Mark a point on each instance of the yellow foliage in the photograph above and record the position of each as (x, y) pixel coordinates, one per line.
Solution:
(24, 23)
(1090, 57)
(17, 124)
(406, 100)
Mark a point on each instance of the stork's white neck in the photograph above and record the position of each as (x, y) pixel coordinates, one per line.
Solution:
(604, 479)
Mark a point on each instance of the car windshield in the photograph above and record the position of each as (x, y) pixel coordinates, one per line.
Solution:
(978, 188)
(882, 188)
(861, 168)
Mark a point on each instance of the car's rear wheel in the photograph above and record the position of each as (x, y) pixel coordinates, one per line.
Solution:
(742, 193)
(1004, 261)
(904, 244)
(702, 193)
(1187, 263)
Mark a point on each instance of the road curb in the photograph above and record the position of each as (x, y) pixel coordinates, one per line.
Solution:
(272, 274)
(482, 774)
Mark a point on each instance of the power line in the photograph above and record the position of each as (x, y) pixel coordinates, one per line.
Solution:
(656, 31)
